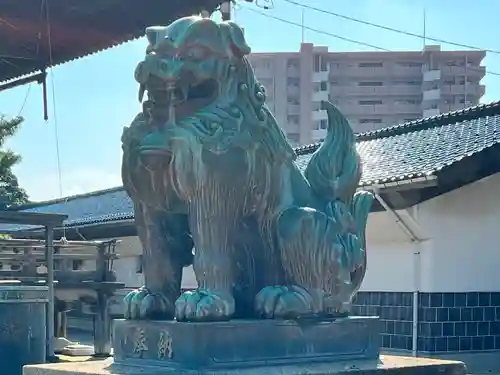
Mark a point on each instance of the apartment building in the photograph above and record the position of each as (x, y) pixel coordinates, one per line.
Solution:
(373, 89)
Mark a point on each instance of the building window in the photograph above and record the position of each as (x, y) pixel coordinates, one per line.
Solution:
(316, 62)
(409, 64)
(292, 119)
(77, 264)
(323, 86)
(370, 121)
(294, 138)
(369, 102)
(370, 64)
(407, 83)
(266, 64)
(293, 63)
(323, 124)
(139, 263)
(370, 83)
(15, 267)
(291, 81)
(406, 101)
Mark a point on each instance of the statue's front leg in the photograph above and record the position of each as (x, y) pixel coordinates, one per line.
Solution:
(212, 230)
(167, 247)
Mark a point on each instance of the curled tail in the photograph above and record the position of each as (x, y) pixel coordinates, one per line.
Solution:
(333, 173)
(334, 170)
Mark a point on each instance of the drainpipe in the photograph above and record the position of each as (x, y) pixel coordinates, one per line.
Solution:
(416, 264)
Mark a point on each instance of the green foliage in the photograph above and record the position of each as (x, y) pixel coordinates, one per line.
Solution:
(10, 192)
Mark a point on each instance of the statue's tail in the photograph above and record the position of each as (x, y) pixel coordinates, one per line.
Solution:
(334, 170)
(333, 173)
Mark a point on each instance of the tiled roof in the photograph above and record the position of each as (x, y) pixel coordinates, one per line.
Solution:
(84, 209)
(422, 147)
(414, 149)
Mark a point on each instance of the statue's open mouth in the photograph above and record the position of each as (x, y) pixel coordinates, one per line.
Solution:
(174, 104)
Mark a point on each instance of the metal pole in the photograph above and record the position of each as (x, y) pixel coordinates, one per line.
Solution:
(49, 256)
(416, 240)
(225, 9)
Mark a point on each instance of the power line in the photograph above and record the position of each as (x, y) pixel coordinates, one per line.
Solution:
(318, 30)
(399, 31)
(354, 41)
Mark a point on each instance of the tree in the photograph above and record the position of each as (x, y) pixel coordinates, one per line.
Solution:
(10, 192)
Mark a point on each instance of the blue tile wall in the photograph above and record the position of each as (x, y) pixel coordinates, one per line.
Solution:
(448, 322)
(395, 310)
(451, 322)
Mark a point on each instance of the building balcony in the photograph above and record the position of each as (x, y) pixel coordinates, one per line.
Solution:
(317, 135)
(434, 94)
(360, 72)
(431, 112)
(319, 115)
(410, 71)
(319, 96)
(320, 76)
(406, 108)
(293, 90)
(472, 71)
(293, 109)
(342, 91)
(431, 75)
(470, 89)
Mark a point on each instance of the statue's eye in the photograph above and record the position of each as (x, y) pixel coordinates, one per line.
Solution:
(194, 53)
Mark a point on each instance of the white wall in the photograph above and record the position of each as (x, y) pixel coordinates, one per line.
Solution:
(126, 266)
(465, 228)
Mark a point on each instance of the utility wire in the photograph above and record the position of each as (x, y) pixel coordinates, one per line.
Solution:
(358, 42)
(317, 30)
(399, 31)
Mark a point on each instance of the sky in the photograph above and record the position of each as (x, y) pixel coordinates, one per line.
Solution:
(93, 98)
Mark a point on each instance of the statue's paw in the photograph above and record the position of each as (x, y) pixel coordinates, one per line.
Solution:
(204, 305)
(287, 302)
(142, 304)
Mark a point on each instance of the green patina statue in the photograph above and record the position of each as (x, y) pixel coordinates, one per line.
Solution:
(208, 168)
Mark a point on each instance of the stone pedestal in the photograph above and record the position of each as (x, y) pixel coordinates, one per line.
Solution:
(337, 347)
(243, 344)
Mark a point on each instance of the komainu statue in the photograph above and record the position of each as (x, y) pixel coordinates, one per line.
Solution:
(215, 184)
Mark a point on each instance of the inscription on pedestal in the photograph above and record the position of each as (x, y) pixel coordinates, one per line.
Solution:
(237, 344)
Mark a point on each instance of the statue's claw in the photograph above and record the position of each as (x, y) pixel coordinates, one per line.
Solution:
(287, 302)
(204, 305)
(142, 304)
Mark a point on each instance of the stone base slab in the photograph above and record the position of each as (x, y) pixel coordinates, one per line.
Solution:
(387, 365)
(245, 343)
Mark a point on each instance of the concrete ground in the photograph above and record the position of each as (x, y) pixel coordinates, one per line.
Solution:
(81, 337)
(477, 363)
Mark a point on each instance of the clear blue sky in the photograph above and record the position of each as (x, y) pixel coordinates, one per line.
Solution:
(97, 95)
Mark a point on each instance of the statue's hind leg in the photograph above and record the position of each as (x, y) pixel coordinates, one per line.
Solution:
(316, 265)
(167, 248)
